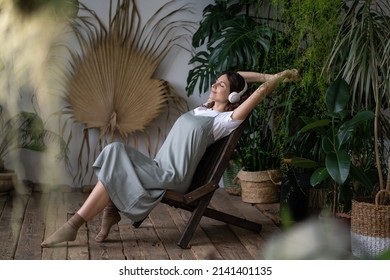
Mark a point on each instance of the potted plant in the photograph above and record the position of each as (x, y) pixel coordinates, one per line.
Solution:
(302, 35)
(361, 55)
(344, 150)
(260, 173)
(298, 198)
(24, 130)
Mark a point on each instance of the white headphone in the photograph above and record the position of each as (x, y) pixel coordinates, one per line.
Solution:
(235, 97)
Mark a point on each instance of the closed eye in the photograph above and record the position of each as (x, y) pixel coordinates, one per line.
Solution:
(220, 83)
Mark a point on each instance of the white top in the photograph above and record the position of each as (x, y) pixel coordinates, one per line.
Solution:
(223, 122)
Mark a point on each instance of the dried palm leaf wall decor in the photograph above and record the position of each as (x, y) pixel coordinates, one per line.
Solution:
(110, 83)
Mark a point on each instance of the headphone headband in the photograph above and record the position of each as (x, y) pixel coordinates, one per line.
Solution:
(244, 89)
(234, 97)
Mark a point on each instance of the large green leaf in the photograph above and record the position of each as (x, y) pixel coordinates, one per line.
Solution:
(337, 96)
(327, 144)
(347, 129)
(236, 41)
(26, 130)
(202, 74)
(214, 16)
(239, 43)
(315, 125)
(303, 162)
(338, 165)
(31, 131)
(318, 176)
(359, 174)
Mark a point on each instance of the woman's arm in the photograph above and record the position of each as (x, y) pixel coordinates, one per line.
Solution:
(255, 77)
(242, 111)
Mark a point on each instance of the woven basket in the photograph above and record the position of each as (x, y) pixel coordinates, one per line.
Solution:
(370, 227)
(260, 186)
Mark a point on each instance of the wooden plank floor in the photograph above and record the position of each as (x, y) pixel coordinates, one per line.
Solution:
(26, 219)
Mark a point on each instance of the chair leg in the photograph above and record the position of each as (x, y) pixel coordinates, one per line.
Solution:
(137, 224)
(193, 222)
(233, 220)
(200, 210)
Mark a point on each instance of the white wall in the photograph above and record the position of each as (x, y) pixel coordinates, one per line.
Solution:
(175, 67)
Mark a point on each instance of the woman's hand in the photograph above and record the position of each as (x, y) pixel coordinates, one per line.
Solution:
(242, 111)
(292, 75)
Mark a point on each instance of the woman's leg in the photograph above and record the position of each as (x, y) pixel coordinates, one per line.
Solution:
(95, 203)
(111, 217)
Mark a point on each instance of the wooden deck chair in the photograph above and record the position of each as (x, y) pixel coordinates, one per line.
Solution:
(205, 182)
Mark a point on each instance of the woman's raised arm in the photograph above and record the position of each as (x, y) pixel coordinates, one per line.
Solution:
(242, 111)
(255, 77)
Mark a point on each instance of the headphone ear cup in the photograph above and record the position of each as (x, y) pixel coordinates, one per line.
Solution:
(234, 97)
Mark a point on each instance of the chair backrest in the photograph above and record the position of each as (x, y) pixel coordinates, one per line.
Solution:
(216, 158)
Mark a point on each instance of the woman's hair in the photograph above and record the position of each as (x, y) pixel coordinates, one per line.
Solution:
(237, 84)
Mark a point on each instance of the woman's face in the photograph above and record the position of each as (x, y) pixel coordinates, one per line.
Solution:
(220, 90)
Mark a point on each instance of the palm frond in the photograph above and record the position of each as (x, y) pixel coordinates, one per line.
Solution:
(110, 83)
(358, 45)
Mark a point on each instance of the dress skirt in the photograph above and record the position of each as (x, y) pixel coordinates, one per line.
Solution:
(136, 183)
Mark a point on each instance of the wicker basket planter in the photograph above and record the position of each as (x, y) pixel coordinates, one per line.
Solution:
(260, 186)
(370, 228)
(7, 182)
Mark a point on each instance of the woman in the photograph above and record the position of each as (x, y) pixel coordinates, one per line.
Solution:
(132, 183)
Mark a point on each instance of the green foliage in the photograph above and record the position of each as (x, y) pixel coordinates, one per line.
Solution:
(256, 147)
(233, 39)
(384, 256)
(242, 35)
(57, 7)
(303, 32)
(25, 130)
(342, 146)
(361, 56)
(309, 28)
(312, 26)
(364, 37)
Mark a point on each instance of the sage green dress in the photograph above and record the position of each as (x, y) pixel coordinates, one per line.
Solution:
(136, 183)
